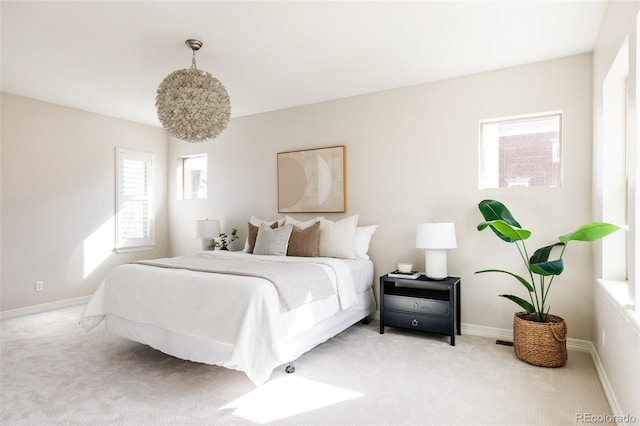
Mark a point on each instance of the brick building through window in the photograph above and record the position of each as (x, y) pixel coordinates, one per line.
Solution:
(521, 152)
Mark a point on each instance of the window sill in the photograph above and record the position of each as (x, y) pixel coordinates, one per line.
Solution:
(618, 294)
(133, 249)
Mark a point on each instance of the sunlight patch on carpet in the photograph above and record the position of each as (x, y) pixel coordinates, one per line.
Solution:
(285, 397)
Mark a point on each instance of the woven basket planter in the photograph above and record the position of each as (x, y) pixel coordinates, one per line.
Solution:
(540, 343)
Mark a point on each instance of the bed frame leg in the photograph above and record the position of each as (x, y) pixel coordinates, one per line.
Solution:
(290, 368)
(365, 321)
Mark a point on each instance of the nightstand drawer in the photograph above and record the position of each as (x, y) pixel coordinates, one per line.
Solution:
(417, 322)
(416, 304)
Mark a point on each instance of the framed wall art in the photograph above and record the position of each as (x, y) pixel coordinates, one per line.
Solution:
(312, 180)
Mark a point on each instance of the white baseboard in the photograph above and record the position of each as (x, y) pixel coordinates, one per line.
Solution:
(490, 332)
(606, 386)
(507, 335)
(11, 313)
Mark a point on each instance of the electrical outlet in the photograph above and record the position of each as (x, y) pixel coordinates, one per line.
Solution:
(603, 338)
(39, 285)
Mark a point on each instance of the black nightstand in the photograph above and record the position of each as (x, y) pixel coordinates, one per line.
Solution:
(421, 304)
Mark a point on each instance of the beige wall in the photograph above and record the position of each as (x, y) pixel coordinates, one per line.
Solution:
(620, 352)
(58, 198)
(412, 156)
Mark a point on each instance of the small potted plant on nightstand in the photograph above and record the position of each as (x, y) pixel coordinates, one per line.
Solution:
(223, 241)
(539, 338)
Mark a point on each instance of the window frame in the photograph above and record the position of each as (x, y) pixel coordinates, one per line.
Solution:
(124, 244)
(557, 151)
(619, 192)
(182, 181)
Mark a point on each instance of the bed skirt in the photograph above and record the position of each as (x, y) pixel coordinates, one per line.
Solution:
(197, 349)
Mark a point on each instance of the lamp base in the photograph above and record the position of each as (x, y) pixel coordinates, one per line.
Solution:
(207, 243)
(435, 264)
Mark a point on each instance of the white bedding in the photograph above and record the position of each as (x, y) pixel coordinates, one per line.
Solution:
(241, 319)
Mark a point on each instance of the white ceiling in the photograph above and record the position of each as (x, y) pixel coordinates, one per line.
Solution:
(108, 57)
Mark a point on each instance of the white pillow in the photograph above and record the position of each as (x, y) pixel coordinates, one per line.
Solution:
(273, 241)
(300, 223)
(257, 221)
(337, 239)
(362, 240)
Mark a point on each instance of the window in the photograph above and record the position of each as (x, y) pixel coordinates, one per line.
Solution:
(616, 162)
(521, 152)
(134, 200)
(194, 177)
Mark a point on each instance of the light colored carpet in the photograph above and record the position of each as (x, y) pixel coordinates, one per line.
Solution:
(53, 373)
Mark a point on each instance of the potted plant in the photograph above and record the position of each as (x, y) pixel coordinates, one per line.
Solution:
(539, 338)
(223, 241)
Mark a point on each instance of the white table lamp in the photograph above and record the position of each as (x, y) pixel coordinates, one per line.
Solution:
(207, 230)
(436, 238)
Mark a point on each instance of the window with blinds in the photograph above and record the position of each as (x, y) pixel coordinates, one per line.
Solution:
(134, 200)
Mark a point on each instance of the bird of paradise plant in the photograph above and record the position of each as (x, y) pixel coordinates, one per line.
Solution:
(541, 270)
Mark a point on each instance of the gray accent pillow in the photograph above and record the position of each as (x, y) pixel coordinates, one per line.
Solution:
(253, 234)
(272, 241)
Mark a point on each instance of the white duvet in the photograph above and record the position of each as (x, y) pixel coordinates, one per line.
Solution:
(238, 312)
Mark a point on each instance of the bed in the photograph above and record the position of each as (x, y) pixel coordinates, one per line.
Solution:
(224, 308)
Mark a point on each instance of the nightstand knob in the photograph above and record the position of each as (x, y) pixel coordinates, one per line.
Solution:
(414, 323)
(415, 305)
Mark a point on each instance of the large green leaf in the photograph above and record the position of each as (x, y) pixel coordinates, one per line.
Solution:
(493, 210)
(590, 231)
(505, 231)
(555, 267)
(484, 225)
(542, 254)
(525, 305)
(518, 277)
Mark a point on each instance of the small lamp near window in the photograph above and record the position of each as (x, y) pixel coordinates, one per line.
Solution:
(436, 238)
(207, 230)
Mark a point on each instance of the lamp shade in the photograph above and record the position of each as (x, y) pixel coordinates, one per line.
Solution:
(207, 229)
(436, 235)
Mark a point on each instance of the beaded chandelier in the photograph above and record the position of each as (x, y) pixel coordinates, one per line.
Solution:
(193, 105)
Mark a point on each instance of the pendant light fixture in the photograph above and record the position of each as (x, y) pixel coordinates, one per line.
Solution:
(192, 104)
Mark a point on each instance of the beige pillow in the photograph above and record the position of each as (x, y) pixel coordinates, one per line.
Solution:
(253, 233)
(272, 241)
(362, 241)
(337, 239)
(304, 242)
(302, 224)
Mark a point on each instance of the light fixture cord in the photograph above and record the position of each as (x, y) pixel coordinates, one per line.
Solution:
(193, 60)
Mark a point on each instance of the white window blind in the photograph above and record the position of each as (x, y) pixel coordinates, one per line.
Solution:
(134, 200)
